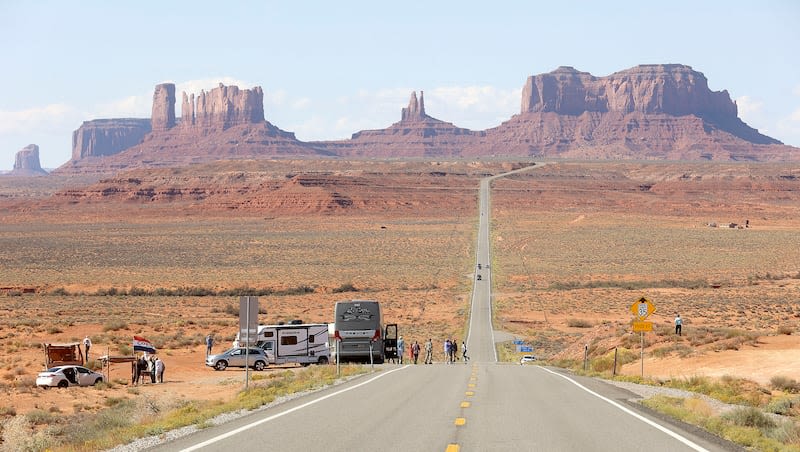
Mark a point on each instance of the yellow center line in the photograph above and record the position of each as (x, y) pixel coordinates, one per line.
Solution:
(471, 385)
(465, 404)
(452, 448)
(460, 421)
(470, 393)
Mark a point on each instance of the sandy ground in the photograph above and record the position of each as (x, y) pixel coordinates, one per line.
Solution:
(773, 356)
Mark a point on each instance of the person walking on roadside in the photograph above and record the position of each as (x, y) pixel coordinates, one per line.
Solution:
(429, 352)
(87, 344)
(415, 351)
(209, 344)
(678, 324)
(453, 350)
(401, 348)
(464, 351)
(447, 350)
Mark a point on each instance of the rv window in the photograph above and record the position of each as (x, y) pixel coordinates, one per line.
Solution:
(269, 334)
(289, 340)
(311, 339)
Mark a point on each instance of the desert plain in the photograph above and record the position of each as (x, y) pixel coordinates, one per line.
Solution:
(162, 253)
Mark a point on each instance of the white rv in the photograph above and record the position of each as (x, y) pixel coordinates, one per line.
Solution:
(304, 343)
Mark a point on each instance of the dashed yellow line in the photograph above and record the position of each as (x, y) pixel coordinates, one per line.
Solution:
(460, 421)
(465, 404)
(452, 448)
(471, 385)
(470, 393)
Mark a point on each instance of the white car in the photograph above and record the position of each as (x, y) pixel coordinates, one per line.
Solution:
(63, 376)
(235, 357)
(527, 359)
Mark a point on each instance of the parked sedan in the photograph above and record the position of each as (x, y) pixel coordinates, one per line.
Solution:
(235, 357)
(63, 376)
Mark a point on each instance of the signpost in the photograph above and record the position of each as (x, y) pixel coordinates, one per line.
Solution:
(641, 309)
(248, 330)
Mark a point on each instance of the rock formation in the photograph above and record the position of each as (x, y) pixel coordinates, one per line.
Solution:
(415, 135)
(26, 162)
(650, 89)
(656, 112)
(108, 136)
(163, 113)
(224, 107)
(415, 110)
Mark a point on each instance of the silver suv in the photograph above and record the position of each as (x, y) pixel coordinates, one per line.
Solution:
(235, 357)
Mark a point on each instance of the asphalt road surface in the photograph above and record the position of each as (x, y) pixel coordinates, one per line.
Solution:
(481, 405)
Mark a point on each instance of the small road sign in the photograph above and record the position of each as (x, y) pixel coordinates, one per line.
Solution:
(642, 308)
(640, 326)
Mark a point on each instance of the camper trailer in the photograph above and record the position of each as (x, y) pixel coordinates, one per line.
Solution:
(302, 343)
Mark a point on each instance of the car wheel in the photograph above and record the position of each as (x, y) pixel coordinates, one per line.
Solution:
(259, 365)
(221, 365)
(323, 360)
(63, 384)
(99, 380)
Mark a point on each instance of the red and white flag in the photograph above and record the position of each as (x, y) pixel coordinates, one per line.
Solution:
(141, 344)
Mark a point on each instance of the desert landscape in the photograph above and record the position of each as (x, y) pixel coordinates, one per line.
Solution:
(163, 253)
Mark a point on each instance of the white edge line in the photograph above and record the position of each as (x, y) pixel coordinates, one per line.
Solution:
(669, 432)
(283, 413)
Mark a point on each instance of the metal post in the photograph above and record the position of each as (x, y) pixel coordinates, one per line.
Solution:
(642, 352)
(585, 356)
(247, 349)
(371, 364)
(614, 372)
(338, 360)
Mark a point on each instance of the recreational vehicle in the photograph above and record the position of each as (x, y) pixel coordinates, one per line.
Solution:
(359, 329)
(304, 343)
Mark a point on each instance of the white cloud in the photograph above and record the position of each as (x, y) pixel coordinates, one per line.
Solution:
(749, 107)
(129, 107)
(53, 116)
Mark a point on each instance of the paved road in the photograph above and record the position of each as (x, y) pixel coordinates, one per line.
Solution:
(480, 406)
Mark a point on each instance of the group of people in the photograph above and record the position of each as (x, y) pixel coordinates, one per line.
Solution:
(149, 365)
(450, 351)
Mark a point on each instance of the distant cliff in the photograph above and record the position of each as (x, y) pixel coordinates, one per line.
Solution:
(415, 135)
(107, 136)
(670, 89)
(26, 162)
(653, 112)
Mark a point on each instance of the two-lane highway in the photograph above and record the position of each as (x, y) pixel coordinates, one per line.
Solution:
(480, 406)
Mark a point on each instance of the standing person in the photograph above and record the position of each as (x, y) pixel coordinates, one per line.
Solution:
(151, 366)
(415, 351)
(447, 350)
(160, 370)
(464, 351)
(401, 348)
(87, 344)
(429, 352)
(678, 324)
(453, 350)
(209, 343)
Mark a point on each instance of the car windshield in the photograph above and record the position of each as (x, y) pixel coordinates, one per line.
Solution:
(54, 369)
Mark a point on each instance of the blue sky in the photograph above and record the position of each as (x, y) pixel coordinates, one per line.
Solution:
(329, 69)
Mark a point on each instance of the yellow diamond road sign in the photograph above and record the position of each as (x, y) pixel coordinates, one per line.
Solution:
(642, 308)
